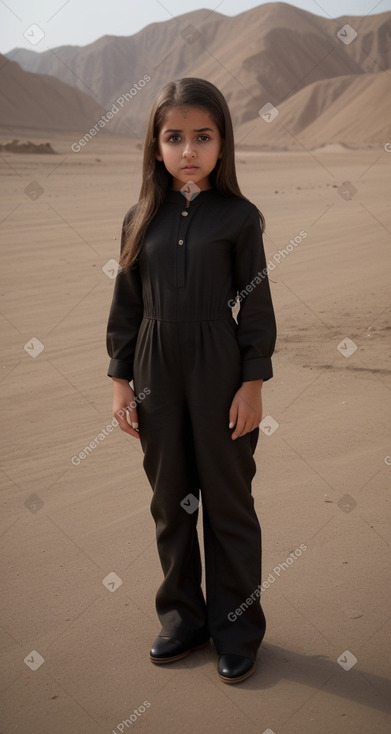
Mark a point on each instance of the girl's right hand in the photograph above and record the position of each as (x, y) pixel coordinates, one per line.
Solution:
(123, 411)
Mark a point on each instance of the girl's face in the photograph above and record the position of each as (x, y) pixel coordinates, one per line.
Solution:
(189, 145)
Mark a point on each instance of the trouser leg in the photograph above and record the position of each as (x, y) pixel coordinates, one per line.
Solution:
(169, 463)
(171, 470)
(232, 538)
(232, 533)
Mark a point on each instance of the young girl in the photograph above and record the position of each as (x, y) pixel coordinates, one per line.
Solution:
(188, 246)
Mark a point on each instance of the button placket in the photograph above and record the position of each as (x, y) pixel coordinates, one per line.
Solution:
(181, 249)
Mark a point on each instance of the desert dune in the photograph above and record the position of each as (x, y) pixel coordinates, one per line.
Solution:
(72, 519)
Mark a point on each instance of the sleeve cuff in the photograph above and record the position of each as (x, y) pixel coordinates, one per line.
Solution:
(119, 368)
(257, 369)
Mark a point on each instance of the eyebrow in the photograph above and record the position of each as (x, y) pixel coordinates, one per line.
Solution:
(200, 130)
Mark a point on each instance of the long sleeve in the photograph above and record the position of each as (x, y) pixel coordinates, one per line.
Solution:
(124, 319)
(256, 331)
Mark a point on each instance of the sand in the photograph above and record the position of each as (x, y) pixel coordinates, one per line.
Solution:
(323, 472)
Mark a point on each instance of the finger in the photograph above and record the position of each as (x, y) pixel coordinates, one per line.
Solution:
(128, 429)
(233, 414)
(128, 414)
(134, 432)
(243, 427)
(132, 418)
(240, 425)
(125, 425)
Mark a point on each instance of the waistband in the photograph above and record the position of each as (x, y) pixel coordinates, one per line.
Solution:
(188, 319)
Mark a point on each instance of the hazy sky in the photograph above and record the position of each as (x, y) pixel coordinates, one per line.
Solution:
(79, 22)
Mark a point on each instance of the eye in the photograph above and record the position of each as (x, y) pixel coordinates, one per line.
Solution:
(203, 138)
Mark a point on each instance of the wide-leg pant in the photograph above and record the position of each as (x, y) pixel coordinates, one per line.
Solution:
(193, 371)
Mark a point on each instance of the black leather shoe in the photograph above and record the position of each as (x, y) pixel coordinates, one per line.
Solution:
(168, 649)
(235, 668)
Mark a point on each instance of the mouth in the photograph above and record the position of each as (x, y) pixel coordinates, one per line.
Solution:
(190, 168)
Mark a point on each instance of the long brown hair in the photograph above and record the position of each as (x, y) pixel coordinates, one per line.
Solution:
(156, 180)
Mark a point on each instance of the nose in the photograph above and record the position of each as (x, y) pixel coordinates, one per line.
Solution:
(188, 151)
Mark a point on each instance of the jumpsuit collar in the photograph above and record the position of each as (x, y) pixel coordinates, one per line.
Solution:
(176, 197)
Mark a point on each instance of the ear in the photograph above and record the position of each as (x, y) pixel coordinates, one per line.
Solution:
(156, 145)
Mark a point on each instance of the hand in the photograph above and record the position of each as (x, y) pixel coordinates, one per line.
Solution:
(246, 409)
(122, 410)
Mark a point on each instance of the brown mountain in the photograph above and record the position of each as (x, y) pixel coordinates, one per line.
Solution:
(268, 54)
(40, 101)
(351, 110)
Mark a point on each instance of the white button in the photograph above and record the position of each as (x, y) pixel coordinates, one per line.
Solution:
(180, 242)
(185, 214)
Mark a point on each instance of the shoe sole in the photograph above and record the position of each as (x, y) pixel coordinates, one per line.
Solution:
(237, 680)
(160, 661)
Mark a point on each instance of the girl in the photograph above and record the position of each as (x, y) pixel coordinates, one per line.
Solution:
(188, 246)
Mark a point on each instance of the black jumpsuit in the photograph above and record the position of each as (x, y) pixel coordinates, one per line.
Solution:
(171, 329)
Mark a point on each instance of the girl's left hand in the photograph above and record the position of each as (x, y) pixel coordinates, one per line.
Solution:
(246, 409)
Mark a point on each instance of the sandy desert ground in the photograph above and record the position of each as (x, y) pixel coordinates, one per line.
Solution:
(75, 643)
